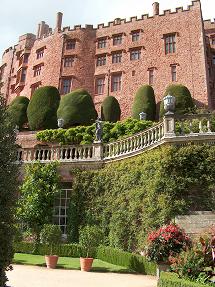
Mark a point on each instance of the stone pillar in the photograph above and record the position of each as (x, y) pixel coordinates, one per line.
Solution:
(169, 125)
(39, 31)
(58, 22)
(97, 151)
(155, 6)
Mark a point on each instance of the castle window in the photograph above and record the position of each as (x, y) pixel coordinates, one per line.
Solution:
(34, 87)
(70, 44)
(37, 70)
(66, 85)
(116, 57)
(117, 39)
(23, 75)
(61, 206)
(135, 36)
(170, 44)
(102, 43)
(40, 53)
(173, 73)
(135, 54)
(68, 61)
(116, 82)
(100, 85)
(101, 60)
(25, 58)
(151, 76)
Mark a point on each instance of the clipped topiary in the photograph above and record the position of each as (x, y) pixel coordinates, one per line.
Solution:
(110, 109)
(77, 108)
(184, 102)
(18, 111)
(42, 109)
(144, 101)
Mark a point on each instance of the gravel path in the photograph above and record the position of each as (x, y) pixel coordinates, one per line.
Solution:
(31, 276)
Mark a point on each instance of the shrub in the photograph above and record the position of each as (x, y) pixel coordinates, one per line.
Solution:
(18, 111)
(42, 109)
(89, 238)
(144, 101)
(37, 193)
(184, 103)
(8, 189)
(172, 280)
(51, 235)
(77, 108)
(110, 109)
(167, 240)
(132, 261)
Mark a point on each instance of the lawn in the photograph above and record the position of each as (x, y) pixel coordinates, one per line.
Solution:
(68, 263)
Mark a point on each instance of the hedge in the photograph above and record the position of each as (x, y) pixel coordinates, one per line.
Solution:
(110, 109)
(129, 260)
(114, 256)
(171, 280)
(18, 111)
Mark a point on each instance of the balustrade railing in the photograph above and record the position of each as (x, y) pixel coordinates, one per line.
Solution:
(171, 129)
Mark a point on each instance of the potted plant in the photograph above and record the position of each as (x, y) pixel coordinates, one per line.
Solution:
(51, 235)
(90, 237)
(167, 241)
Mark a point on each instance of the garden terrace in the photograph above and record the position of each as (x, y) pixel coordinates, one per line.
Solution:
(179, 130)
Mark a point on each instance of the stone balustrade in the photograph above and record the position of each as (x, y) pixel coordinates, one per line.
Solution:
(172, 130)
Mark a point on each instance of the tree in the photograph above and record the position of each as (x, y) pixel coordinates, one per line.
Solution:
(77, 108)
(37, 194)
(110, 110)
(184, 101)
(144, 101)
(18, 111)
(8, 186)
(42, 109)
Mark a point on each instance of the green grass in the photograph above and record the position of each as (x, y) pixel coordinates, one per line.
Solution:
(68, 263)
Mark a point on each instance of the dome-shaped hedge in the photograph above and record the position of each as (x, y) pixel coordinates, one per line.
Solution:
(110, 110)
(184, 102)
(18, 111)
(77, 108)
(42, 109)
(144, 101)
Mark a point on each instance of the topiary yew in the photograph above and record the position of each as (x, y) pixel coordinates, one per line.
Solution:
(110, 109)
(77, 108)
(42, 109)
(184, 102)
(18, 111)
(144, 101)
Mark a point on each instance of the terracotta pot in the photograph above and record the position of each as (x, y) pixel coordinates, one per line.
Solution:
(86, 263)
(51, 261)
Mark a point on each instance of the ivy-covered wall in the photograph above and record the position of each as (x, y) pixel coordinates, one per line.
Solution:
(128, 198)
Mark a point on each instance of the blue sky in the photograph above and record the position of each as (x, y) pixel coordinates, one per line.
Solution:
(18, 17)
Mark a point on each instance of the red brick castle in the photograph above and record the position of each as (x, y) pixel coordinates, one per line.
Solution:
(116, 59)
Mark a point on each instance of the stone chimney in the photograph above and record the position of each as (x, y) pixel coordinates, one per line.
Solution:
(58, 22)
(155, 6)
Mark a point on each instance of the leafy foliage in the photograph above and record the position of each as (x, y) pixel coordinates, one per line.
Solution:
(18, 111)
(167, 240)
(110, 109)
(42, 109)
(128, 199)
(86, 134)
(144, 101)
(51, 235)
(8, 188)
(90, 237)
(184, 102)
(77, 108)
(35, 204)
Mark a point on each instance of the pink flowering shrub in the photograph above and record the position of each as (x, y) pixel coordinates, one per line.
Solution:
(167, 241)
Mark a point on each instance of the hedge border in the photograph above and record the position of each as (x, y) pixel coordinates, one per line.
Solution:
(168, 279)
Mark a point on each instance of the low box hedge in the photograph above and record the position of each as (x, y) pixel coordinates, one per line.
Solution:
(129, 260)
(168, 279)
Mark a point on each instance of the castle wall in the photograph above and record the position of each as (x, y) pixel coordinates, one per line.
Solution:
(190, 58)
